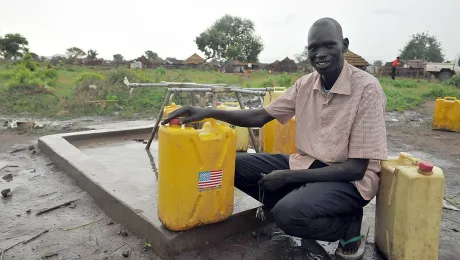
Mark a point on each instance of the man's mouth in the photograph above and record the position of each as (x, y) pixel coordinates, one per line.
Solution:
(322, 64)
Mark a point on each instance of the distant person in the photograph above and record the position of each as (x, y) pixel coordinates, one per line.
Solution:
(319, 192)
(394, 65)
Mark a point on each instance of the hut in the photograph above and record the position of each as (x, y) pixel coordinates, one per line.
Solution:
(356, 60)
(171, 63)
(286, 65)
(195, 59)
(235, 66)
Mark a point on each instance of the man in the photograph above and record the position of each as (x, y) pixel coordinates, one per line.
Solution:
(318, 193)
(394, 65)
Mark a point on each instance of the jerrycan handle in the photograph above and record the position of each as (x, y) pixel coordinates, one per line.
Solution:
(450, 98)
(409, 157)
(210, 120)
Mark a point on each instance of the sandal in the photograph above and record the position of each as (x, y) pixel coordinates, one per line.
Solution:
(360, 252)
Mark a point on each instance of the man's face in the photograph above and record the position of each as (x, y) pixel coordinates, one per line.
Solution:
(326, 49)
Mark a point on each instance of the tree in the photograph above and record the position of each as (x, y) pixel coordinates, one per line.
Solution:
(117, 57)
(378, 63)
(422, 46)
(13, 45)
(92, 54)
(75, 53)
(230, 37)
(151, 55)
(34, 56)
(302, 58)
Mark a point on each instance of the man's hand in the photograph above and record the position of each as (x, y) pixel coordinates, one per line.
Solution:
(275, 180)
(192, 114)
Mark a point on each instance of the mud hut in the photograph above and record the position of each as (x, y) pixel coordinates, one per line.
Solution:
(356, 60)
(286, 65)
(195, 59)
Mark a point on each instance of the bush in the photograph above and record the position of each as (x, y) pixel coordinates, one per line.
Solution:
(454, 81)
(23, 77)
(267, 84)
(284, 81)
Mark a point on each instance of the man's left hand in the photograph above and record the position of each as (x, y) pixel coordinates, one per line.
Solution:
(275, 180)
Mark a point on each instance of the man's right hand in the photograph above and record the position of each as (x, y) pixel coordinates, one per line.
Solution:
(190, 113)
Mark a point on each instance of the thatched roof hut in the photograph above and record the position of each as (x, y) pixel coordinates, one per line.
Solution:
(286, 65)
(195, 59)
(356, 60)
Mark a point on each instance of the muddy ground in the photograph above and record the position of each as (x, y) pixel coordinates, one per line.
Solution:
(37, 184)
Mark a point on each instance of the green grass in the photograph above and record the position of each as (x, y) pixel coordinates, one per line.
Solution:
(404, 94)
(73, 91)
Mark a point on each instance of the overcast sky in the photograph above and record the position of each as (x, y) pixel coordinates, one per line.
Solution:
(377, 29)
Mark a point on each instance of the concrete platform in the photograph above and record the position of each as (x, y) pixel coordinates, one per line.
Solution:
(121, 176)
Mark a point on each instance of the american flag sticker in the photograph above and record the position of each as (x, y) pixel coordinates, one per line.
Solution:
(209, 180)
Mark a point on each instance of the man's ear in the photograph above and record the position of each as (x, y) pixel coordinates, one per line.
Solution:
(346, 42)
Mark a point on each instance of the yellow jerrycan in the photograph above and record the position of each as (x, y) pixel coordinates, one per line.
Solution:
(195, 174)
(242, 141)
(409, 209)
(447, 114)
(284, 141)
(267, 132)
(169, 109)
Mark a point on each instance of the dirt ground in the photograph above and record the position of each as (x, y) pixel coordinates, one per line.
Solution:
(37, 184)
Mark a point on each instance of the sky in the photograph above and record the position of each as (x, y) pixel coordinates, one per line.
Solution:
(377, 29)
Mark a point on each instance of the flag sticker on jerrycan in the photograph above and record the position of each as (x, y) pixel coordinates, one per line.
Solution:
(210, 180)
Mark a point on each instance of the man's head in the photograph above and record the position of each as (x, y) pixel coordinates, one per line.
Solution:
(397, 58)
(326, 46)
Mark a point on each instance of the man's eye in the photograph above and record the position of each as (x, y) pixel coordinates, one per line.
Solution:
(329, 46)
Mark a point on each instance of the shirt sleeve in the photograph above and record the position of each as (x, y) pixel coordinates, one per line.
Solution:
(368, 139)
(283, 108)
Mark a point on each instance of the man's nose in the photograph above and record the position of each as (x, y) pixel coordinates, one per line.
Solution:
(321, 56)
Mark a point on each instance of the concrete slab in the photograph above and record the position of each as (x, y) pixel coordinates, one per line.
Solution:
(121, 177)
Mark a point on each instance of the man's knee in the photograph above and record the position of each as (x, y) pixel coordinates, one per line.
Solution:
(292, 220)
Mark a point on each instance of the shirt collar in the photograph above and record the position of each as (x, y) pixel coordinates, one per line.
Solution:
(343, 83)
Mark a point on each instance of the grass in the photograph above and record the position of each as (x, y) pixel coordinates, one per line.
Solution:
(74, 86)
(405, 94)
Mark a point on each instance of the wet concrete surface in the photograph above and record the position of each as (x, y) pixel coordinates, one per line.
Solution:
(47, 186)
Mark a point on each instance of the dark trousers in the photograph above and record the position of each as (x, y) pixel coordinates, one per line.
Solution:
(319, 210)
(393, 72)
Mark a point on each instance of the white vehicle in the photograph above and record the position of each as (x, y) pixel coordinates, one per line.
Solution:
(443, 71)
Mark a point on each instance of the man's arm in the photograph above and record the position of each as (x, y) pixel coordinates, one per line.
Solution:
(350, 170)
(243, 118)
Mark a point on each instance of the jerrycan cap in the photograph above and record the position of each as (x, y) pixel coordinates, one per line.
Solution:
(174, 121)
(426, 166)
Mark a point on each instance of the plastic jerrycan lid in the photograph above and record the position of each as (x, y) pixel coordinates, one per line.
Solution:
(426, 168)
(174, 121)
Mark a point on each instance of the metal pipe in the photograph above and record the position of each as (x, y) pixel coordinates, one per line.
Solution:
(173, 84)
(190, 90)
(251, 133)
(157, 122)
(214, 100)
(245, 91)
(263, 89)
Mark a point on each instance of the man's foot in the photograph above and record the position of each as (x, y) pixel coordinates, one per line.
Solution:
(350, 246)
